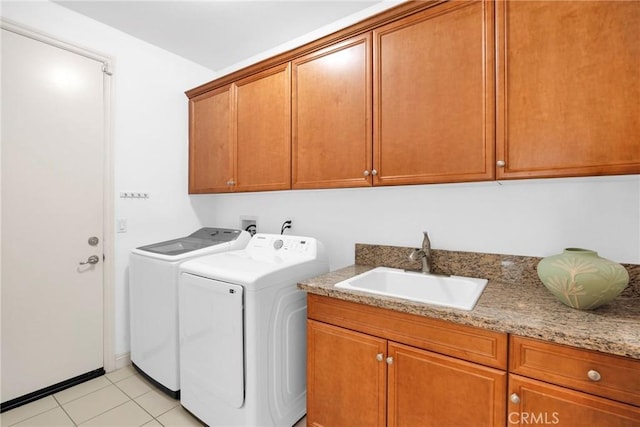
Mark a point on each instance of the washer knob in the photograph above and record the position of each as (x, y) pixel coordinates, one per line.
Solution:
(278, 244)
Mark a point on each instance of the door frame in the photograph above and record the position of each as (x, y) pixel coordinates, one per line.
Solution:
(108, 294)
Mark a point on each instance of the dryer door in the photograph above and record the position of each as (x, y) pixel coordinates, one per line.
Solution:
(211, 342)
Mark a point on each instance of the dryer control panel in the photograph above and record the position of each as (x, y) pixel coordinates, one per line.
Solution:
(283, 246)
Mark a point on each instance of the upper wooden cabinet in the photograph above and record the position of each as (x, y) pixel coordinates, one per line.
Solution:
(240, 135)
(210, 144)
(434, 96)
(430, 92)
(263, 131)
(331, 114)
(568, 88)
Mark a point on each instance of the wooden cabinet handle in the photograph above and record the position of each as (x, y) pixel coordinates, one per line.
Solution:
(594, 375)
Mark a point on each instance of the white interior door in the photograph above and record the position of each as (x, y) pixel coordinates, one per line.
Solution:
(52, 204)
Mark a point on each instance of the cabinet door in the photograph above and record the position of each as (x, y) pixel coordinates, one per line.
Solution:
(263, 131)
(332, 116)
(210, 144)
(346, 382)
(568, 88)
(536, 403)
(434, 96)
(428, 389)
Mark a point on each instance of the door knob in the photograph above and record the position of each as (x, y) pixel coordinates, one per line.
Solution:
(93, 259)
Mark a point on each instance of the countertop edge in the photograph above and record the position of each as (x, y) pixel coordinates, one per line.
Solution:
(491, 315)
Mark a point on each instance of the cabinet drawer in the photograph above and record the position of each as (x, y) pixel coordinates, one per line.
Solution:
(600, 374)
(533, 402)
(463, 342)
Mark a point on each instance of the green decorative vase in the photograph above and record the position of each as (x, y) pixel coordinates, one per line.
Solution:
(581, 279)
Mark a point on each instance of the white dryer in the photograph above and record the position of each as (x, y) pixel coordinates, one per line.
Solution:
(243, 331)
(153, 300)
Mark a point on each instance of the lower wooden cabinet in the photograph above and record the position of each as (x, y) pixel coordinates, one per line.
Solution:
(346, 383)
(370, 366)
(567, 386)
(357, 379)
(604, 375)
(430, 389)
(535, 402)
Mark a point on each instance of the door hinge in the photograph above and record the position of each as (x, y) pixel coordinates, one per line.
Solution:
(105, 69)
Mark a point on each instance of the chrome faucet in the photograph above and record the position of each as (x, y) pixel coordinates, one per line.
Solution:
(423, 254)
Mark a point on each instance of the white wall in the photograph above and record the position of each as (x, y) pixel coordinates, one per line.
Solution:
(525, 217)
(150, 138)
(149, 132)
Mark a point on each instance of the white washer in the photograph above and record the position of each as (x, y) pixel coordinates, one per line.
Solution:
(153, 300)
(243, 332)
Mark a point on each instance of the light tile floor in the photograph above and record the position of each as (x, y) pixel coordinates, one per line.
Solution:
(118, 399)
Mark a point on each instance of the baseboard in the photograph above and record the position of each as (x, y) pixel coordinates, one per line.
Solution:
(123, 360)
(39, 394)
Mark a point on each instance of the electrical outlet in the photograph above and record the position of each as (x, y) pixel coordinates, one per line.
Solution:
(286, 225)
(249, 224)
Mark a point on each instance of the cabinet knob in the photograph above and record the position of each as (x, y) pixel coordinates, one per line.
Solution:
(514, 398)
(389, 360)
(500, 163)
(374, 172)
(231, 182)
(366, 173)
(594, 375)
(379, 357)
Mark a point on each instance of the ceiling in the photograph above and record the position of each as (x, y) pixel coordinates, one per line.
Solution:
(214, 33)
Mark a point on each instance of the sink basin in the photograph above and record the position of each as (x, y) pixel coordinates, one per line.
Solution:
(448, 291)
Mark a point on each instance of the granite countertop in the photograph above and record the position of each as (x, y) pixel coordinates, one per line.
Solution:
(526, 308)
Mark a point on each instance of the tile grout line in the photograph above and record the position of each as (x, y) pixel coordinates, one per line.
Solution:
(123, 403)
(129, 399)
(109, 382)
(64, 410)
(133, 399)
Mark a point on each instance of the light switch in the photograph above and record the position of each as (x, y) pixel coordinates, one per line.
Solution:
(122, 225)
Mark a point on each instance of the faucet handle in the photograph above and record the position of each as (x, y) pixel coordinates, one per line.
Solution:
(417, 255)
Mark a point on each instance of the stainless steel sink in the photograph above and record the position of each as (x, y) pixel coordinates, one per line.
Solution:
(447, 291)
